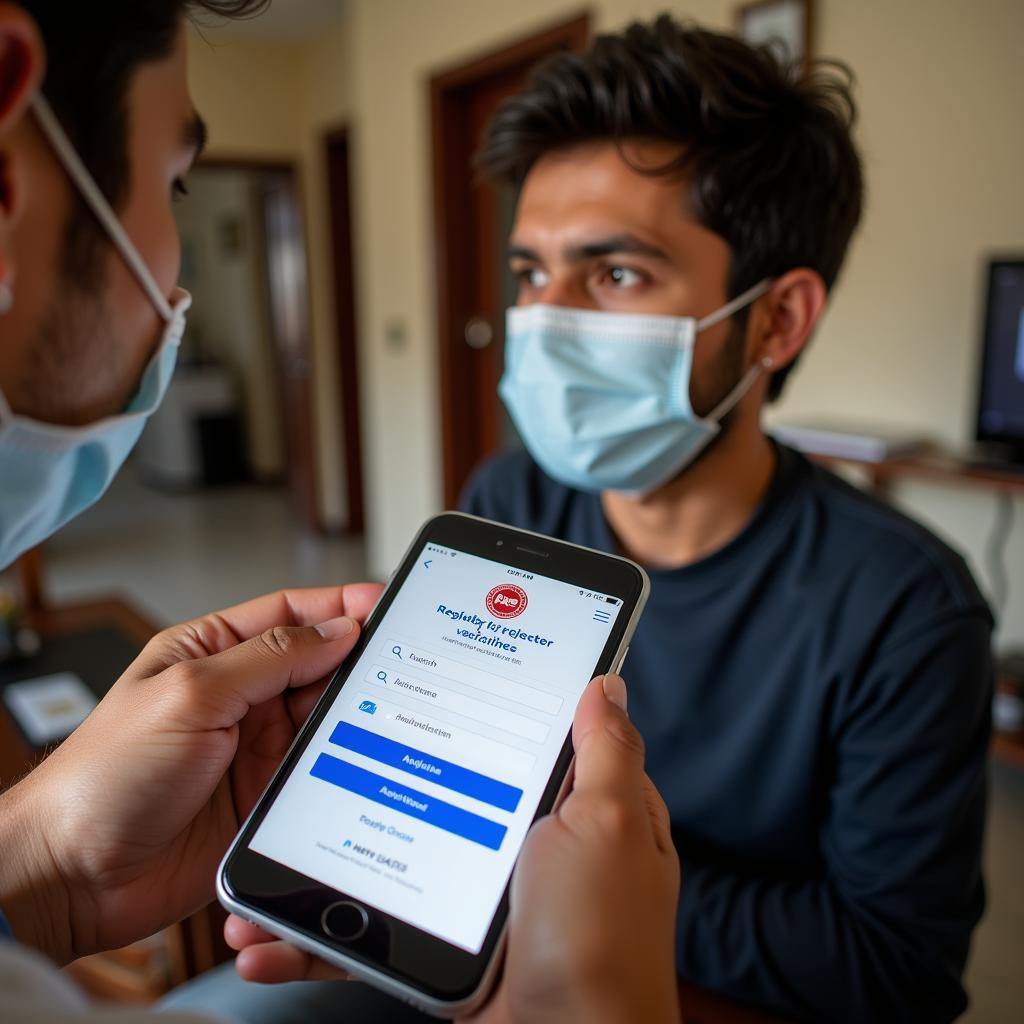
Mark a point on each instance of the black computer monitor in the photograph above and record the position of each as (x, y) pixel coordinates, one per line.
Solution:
(1001, 392)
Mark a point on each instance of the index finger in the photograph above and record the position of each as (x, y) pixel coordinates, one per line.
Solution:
(220, 631)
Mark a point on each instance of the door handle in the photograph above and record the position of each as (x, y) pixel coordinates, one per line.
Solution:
(478, 332)
(298, 368)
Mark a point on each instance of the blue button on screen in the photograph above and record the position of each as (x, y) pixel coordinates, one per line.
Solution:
(409, 801)
(416, 762)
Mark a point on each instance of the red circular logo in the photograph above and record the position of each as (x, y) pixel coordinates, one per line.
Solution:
(507, 601)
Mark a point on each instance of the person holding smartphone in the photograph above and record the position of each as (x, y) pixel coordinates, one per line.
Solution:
(119, 831)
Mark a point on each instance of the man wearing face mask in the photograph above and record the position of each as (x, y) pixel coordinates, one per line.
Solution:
(119, 831)
(812, 674)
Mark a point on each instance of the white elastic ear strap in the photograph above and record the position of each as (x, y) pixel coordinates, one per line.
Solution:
(747, 380)
(87, 186)
(734, 397)
(741, 300)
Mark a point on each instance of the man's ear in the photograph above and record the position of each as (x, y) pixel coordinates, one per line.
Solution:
(22, 60)
(21, 64)
(786, 316)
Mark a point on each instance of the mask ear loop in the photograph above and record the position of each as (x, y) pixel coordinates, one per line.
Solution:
(734, 397)
(97, 202)
(761, 366)
(734, 305)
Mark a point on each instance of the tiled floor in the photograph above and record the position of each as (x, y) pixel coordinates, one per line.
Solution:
(177, 556)
(180, 555)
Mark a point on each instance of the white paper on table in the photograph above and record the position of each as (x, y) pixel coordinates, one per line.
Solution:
(49, 707)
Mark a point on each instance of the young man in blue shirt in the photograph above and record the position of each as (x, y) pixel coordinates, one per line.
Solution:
(812, 675)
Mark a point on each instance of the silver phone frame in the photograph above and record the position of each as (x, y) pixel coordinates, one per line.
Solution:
(359, 971)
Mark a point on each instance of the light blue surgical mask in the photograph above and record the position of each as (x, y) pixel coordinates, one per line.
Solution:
(50, 473)
(602, 400)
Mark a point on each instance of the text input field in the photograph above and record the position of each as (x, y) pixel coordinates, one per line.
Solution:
(414, 658)
(429, 692)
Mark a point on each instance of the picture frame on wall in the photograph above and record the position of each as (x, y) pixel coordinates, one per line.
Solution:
(784, 24)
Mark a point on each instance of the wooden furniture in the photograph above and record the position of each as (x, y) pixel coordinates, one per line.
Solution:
(934, 465)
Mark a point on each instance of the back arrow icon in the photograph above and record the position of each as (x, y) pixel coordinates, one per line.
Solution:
(426, 564)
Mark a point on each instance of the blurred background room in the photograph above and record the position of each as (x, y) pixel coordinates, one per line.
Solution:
(338, 376)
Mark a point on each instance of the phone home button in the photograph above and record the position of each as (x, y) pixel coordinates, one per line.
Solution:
(345, 921)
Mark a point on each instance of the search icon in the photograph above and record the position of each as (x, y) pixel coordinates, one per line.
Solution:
(396, 651)
(382, 676)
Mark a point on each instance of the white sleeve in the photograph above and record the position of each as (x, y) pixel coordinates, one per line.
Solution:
(34, 991)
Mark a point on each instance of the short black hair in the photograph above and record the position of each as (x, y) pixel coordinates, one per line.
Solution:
(766, 145)
(92, 53)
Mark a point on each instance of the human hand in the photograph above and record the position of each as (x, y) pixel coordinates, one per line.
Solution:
(594, 895)
(119, 832)
(593, 900)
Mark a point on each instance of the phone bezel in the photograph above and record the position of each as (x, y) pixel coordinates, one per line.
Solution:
(420, 965)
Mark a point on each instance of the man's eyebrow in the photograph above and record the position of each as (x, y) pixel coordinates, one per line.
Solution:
(522, 252)
(195, 135)
(623, 244)
(614, 245)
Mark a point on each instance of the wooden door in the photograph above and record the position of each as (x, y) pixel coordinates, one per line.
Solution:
(471, 224)
(339, 191)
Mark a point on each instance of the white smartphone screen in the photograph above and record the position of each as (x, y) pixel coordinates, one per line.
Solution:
(417, 789)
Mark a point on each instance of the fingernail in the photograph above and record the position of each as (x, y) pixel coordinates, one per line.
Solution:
(615, 690)
(336, 629)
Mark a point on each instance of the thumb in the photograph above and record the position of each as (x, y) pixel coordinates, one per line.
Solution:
(609, 750)
(230, 682)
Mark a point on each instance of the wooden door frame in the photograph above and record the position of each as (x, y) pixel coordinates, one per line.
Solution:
(452, 231)
(288, 170)
(345, 325)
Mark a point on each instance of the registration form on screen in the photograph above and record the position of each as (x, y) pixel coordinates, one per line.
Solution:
(417, 789)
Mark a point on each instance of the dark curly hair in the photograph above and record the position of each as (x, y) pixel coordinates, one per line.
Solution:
(92, 52)
(764, 146)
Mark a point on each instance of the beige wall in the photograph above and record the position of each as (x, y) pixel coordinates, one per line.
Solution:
(940, 83)
(940, 86)
(251, 95)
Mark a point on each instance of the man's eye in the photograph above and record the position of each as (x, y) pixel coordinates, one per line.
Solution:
(622, 277)
(179, 188)
(533, 277)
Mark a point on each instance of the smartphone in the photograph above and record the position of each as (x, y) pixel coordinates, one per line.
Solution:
(386, 841)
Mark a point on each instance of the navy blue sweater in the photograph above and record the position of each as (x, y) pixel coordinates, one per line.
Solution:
(815, 698)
